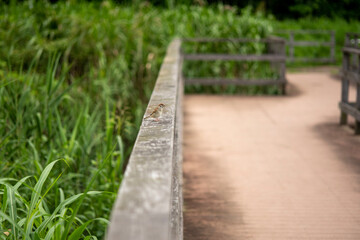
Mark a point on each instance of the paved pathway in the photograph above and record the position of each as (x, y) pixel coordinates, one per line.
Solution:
(271, 168)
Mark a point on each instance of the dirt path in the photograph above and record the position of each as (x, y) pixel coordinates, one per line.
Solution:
(271, 167)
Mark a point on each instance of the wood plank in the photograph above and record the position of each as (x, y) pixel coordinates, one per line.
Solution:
(237, 40)
(234, 57)
(352, 76)
(233, 81)
(349, 108)
(310, 31)
(332, 48)
(291, 46)
(319, 60)
(311, 43)
(351, 50)
(344, 86)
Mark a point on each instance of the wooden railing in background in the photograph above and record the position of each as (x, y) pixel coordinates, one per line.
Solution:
(292, 43)
(149, 202)
(350, 74)
(275, 55)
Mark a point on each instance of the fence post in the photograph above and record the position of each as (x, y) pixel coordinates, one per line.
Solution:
(345, 83)
(332, 50)
(347, 40)
(357, 103)
(291, 46)
(276, 46)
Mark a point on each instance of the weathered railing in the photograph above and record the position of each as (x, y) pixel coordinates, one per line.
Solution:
(149, 202)
(275, 55)
(292, 43)
(351, 73)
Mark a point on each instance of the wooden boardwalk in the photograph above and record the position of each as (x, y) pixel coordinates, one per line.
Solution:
(271, 168)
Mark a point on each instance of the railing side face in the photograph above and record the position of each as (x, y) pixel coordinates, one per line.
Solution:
(148, 202)
(177, 190)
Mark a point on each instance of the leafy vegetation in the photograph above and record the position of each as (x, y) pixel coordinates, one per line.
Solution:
(292, 9)
(75, 80)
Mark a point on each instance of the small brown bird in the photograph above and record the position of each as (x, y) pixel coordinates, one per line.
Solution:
(156, 113)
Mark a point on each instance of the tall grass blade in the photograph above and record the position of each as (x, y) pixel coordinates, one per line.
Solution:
(77, 207)
(7, 83)
(79, 231)
(61, 206)
(12, 209)
(37, 164)
(35, 197)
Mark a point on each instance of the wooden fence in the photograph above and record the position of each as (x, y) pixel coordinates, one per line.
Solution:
(292, 43)
(351, 74)
(275, 55)
(149, 202)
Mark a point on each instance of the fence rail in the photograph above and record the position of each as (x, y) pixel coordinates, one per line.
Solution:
(350, 73)
(275, 55)
(234, 40)
(149, 202)
(234, 57)
(292, 43)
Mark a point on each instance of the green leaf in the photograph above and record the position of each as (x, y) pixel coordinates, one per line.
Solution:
(77, 207)
(35, 197)
(61, 206)
(79, 231)
(12, 209)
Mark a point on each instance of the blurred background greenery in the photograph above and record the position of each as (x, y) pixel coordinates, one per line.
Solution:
(75, 79)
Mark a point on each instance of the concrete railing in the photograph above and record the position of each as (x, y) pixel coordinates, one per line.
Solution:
(149, 202)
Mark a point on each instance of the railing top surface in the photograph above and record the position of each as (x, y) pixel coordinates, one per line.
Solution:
(142, 209)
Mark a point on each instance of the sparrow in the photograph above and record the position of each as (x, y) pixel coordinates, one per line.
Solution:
(156, 113)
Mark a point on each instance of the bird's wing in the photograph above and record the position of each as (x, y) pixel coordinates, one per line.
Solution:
(151, 114)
